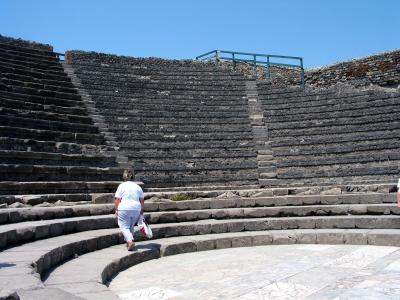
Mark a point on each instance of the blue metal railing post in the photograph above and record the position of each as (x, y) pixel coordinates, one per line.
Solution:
(255, 65)
(268, 68)
(217, 56)
(302, 72)
(234, 62)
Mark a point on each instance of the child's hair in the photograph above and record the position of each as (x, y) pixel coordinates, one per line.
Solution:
(127, 175)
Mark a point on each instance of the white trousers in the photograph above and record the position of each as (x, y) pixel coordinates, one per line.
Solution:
(127, 219)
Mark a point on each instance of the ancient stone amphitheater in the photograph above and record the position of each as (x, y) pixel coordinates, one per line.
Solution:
(225, 161)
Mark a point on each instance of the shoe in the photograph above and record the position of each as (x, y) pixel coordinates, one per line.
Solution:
(131, 246)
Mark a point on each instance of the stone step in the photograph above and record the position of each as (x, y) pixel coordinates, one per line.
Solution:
(194, 166)
(338, 149)
(328, 181)
(155, 112)
(25, 47)
(340, 158)
(30, 122)
(6, 67)
(47, 116)
(310, 99)
(334, 138)
(130, 146)
(37, 86)
(32, 77)
(41, 99)
(29, 63)
(39, 92)
(333, 107)
(44, 158)
(358, 169)
(267, 175)
(198, 177)
(151, 155)
(264, 157)
(50, 135)
(135, 106)
(166, 137)
(217, 208)
(27, 54)
(339, 122)
(161, 120)
(21, 104)
(27, 173)
(294, 204)
(332, 130)
(26, 144)
(57, 187)
(162, 99)
(113, 259)
(25, 232)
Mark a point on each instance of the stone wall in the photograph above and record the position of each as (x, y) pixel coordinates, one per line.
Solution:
(381, 69)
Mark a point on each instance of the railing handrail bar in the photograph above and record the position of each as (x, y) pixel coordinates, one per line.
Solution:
(261, 62)
(205, 54)
(256, 54)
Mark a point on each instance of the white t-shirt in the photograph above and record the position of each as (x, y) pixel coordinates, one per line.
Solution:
(129, 193)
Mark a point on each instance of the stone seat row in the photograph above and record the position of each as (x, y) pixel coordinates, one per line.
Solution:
(352, 109)
(59, 159)
(41, 99)
(24, 61)
(334, 130)
(371, 216)
(35, 172)
(170, 90)
(201, 235)
(177, 84)
(37, 78)
(30, 122)
(341, 158)
(39, 92)
(25, 48)
(46, 115)
(34, 74)
(78, 146)
(38, 85)
(321, 138)
(381, 201)
(379, 117)
(157, 99)
(39, 107)
(12, 188)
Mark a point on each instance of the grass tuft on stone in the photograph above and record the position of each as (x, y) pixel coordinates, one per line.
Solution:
(181, 197)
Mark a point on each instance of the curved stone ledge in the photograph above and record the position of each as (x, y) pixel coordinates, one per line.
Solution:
(109, 262)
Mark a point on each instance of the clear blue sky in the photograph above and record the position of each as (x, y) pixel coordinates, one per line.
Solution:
(322, 31)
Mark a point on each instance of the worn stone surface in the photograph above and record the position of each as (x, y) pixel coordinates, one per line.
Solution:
(268, 272)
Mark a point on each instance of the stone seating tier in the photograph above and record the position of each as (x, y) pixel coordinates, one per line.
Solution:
(44, 120)
(336, 134)
(191, 107)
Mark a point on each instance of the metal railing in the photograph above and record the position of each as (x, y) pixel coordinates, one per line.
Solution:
(60, 56)
(256, 60)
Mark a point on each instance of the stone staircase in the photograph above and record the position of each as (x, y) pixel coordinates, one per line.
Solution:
(181, 123)
(48, 142)
(265, 155)
(334, 135)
